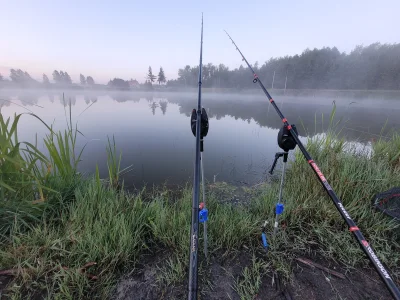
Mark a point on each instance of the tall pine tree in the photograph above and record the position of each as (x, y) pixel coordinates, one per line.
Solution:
(150, 75)
(161, 76)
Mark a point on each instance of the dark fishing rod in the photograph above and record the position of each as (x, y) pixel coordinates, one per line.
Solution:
(365, 246)
(199, 126)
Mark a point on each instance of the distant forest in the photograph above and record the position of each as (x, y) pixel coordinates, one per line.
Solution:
(376, 66)
(61, 79)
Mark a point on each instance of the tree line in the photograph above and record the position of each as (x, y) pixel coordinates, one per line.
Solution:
(22, 78)
(119, 83)
(376, 66)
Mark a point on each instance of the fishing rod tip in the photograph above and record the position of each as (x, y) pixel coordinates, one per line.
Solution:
(228, 35)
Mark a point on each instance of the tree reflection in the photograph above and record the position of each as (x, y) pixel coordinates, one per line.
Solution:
(306, 112)
(153, 107)
(163, 106)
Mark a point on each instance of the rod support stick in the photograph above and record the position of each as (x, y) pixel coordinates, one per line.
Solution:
(204, 202)
(280, 200)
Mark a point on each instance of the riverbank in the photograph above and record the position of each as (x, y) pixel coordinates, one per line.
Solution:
(73, 237)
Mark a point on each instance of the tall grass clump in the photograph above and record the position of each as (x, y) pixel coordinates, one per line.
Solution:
(61, 173)
(114, 164)
(103, 228)
(388, 151)
(20, 185)
(312, 223)
(34, 183)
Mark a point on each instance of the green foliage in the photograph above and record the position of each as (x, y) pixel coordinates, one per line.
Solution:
(32, 184)
(174, 270)
(61, 147)
(95, 229)
(248, 285)
(114, 164)
(388, 151)
(19, 184)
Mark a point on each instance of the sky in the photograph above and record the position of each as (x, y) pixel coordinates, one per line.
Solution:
(122, 38)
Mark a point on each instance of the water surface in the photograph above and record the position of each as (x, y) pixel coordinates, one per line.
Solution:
(153, 129)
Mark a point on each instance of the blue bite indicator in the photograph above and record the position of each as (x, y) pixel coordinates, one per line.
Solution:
(279, 208)
(203, 215)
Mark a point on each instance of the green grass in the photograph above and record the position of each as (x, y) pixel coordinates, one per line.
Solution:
(248, 284)
(114, 165)
(389, 152)
(81, 220)
(20, 185)
(35, 185)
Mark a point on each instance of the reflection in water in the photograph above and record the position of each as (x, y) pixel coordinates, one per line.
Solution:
(153, 107)
(240, 145)
(163, 106)
(312, 118)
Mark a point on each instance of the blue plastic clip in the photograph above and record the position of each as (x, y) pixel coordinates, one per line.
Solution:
(203, 215)
(279, 208)
(264, 240)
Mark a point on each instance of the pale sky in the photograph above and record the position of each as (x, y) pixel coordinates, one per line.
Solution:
(107, 39)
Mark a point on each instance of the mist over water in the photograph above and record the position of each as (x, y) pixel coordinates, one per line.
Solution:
(152, 129)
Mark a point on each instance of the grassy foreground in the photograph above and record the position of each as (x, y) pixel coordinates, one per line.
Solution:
(64, 236)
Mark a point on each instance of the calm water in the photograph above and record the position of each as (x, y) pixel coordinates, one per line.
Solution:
(153, 131)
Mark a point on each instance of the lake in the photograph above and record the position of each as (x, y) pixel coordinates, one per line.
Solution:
(153, 129)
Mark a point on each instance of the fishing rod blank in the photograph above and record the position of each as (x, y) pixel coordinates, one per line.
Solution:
(199, 126)
(365, 246)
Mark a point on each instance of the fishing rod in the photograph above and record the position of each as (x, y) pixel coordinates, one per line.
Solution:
(199, 126)
(365, 246)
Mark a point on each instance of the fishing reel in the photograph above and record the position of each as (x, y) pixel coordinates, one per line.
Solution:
(285, 139)
(204, 125)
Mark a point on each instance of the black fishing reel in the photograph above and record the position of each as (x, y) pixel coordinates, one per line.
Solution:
(204, 125)
(285, 139)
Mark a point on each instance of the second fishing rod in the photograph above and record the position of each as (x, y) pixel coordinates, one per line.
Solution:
(365, 246)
